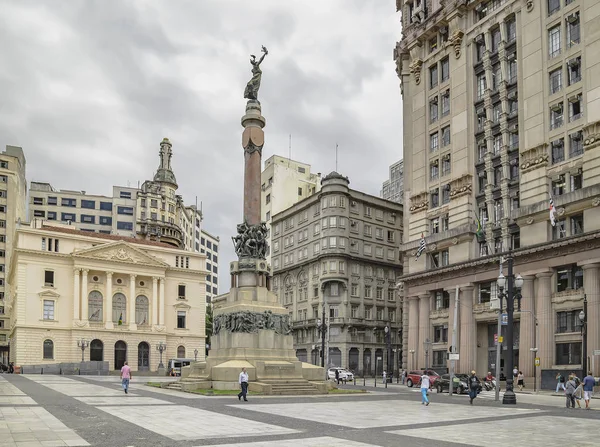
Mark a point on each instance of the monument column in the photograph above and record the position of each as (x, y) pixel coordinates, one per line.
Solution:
(413, 331)
(84, 295)
(591, 287)
(468, 331)
(253, 139)
(527, 327)
(424, 332)
(76, 273)
(108, 320)
(545, 316)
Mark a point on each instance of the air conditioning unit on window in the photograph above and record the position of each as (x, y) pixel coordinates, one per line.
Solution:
(482, 174)
(573, 62)
(514, 162)
(479, 38)
(513, 128)
(447, 187)
(556, 107)
(572, 18)
(353, 203)
(434, 100)
(480, 111)
(575, 98)
(512, 95)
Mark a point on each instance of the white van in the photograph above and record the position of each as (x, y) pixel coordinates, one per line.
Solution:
(174, 366)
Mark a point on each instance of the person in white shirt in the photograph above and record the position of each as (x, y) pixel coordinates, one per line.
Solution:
(243, 384)
(425, 385)
(384, 376)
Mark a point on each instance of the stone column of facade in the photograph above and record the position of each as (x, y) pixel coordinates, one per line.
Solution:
(161, 310)
(108, 320)
(404, 332)
(131, 303)
(545, 316)
(76, 273)
(154, 301)
(468, 331)
(84, 295)
(413, 331)
(591, 285)
(452, 293)
(424, 329)
(527, 327)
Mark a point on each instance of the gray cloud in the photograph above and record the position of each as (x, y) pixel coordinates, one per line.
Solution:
(89, 88)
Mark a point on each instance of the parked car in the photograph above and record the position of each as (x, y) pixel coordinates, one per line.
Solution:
(414, 377)
(461, 385)
(344, 374)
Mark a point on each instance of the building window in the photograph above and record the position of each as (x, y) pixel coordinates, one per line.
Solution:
(512, 69)
(142, 309)
(95, 302)
(69, 202)
(481, 86)
(568, 321)
(268, 198)
(445, 136)
(445, 63)
(446, 103)
(498, 176)
(124, 225)
(555, 81)
(49, 278)
(573, 30)
(87, 219)
(48, 350)
(569, 277)
(433, 44)
(433, 110)
(442, 300)
(127, 210)
(433, 76)
(498, 210)
(553, 6)
(558, 150)
(576, 181)
(511, 30)
(496, 113)
(67, 217)
(496, 76)
(106, 206)
(487, 292)
(575, 108)
(434, 170)
(495, 39)
(576, 144)
(440, 334)
(568, 353)
(89, 204)
(48, 309)
(554, 41)
(39, 213)
(38, 200)
(446, 193)
(434, 198)
(105, 220)
(180, 319)
(433, 142)
(368, 292)
(119, 306)
(559, 230)
(576, 224)
(480, 49)
(446, 163)
(574, 70)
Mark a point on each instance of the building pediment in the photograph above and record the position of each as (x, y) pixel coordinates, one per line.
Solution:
(48, 293)
(122, 252)
(182, 306)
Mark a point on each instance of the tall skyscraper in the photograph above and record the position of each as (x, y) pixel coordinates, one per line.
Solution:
(393, 188)
(501, 112)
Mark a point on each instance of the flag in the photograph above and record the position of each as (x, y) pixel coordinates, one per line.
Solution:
(121, 319)
(422, 246)
(95, 315)
(552, 212)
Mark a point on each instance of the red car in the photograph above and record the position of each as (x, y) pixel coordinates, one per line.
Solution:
(414, 377)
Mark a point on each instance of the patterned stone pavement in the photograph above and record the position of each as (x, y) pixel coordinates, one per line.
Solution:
(49, 410)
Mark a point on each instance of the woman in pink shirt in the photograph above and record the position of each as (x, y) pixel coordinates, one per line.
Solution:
(125, 376)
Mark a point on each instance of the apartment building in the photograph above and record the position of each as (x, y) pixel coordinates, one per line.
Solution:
(121, 295)
(209, 245)
(501, 113)
(153, 211)
(338, 251)
(13, 199)
(393, 188)
(284, 183)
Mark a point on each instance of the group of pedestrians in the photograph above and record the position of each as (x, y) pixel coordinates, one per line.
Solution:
(473, 383)
(576, 389)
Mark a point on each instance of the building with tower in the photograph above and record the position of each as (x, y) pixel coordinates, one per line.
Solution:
(337, 252)
(285, 182)
(393, 188)
(501, 115)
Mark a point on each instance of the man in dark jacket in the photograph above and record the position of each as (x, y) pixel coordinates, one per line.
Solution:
(337, 376)
(473, 386)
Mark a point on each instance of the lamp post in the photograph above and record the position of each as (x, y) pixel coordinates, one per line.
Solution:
(195, 355)
(583, 319)
(390, 365)
(412, 358)
(83, 343)
(426, 345)
(161, 347)
(509, 394)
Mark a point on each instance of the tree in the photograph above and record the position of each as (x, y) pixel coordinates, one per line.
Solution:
(209, 323)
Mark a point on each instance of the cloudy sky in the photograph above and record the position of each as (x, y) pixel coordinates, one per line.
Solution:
(89, 88)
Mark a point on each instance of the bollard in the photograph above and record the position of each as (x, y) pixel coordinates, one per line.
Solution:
(42, 371)
(386, 382)
(354, 380)
(364, 380)
(60, 372)
(375, 381)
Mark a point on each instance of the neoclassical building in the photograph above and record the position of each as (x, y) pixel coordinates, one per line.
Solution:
(122, 295)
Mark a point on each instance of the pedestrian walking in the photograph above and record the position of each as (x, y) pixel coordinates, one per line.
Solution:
(570, 388)
(11, 367)
(384, 376)
(403, 376)
(125, 377)
(560, 382)
(337, 376)
(473, 386)
(425, 386)
(243, 384)
(588, 389)
(578, 392)
(520, 380)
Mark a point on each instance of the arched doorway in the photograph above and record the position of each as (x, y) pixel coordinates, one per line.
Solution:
(181, 352)
(96, 351)
(143, 356)
(367, 362)
(120, 354)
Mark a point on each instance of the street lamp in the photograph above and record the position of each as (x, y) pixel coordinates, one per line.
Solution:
(83, 343)
(412, 358)
(195, 355)
(510, 283)
(426, 345)
(388, 341)
(323, 330)
(583, 319)
(161, 347)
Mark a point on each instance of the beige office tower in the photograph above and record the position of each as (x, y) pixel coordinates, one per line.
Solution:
(13, 194)
(501, 107)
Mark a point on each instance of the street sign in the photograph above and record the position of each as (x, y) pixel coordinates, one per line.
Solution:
(453, 357)
(597, 352)
(537, 361)
(504, 319)
(501, 339)
(495, 338)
